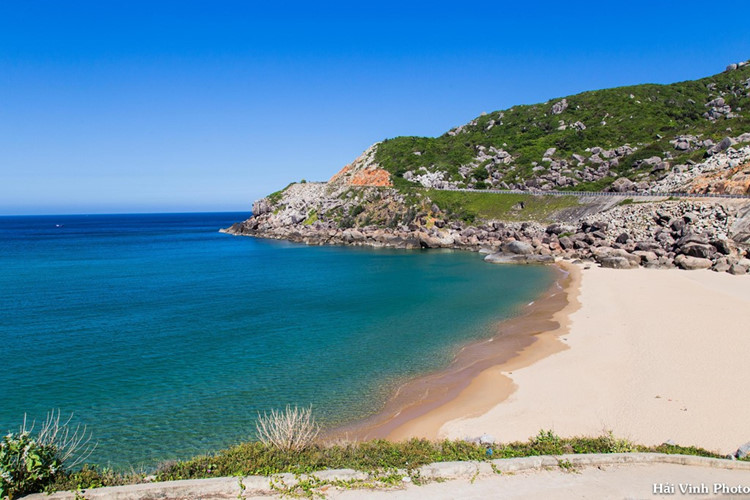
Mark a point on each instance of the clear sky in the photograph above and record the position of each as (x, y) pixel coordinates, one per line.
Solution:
(130, 106)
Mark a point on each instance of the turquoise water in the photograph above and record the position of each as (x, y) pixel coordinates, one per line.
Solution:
(166, 337)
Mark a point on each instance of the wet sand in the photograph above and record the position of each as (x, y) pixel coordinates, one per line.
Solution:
(422, 405)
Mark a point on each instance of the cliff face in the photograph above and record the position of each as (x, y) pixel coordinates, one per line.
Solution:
(691, 137)
(364, 171)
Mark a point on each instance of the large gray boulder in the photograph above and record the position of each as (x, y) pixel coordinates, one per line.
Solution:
(692, 263)
(614, 262)
(698, 250)
(723, 145)
(622, 238)
(721, 266)
(692, 238)
(603, 253)
(622, 185)
(743, 451)
(555, 229)
(518, 247)
(505, 258)
(737, 269)
(559, 107)
(566, 243)
(647, 246)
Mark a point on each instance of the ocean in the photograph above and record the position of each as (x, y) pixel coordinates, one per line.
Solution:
(166, 337)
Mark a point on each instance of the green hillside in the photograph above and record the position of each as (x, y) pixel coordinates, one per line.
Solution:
(505, 149)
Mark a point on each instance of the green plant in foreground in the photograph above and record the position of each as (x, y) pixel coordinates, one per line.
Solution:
(566, 465)
(26, 465)
(32, 461)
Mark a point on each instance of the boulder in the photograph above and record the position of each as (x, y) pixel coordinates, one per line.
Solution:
(721, 266)
(692, 263)
(721, 246)
(743, 451)
(722, 146)
(594, 226)
(647, 246)
(599, 234)
(691, 238)
(518, 247)
(601, 253)
(737, 270)
(698, 250)
(427, 241)
(566, 243)
(559, 107)
(615, 262)
(540, 259)
(622, 185)
(504, 258)
(677, 224)
(646, 256)
(623, 238)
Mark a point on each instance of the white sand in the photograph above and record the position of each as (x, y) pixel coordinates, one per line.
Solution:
(654, 355)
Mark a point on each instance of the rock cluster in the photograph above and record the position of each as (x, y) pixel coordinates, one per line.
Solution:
(681, 177)
(428, 179)
(718, 108)
(684, 234)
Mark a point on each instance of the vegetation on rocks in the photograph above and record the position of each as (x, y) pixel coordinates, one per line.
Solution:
(511, 148)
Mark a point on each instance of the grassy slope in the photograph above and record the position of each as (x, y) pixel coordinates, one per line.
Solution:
(473, 206)
(527, 131)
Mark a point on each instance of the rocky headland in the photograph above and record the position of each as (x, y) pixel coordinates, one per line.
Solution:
(646, 204)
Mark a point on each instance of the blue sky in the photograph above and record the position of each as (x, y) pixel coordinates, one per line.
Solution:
(114, 106)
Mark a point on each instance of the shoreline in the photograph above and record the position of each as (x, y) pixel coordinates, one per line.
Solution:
(420, 405)
(651, 355)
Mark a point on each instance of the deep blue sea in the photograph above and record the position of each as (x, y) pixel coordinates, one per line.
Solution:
(167, 338)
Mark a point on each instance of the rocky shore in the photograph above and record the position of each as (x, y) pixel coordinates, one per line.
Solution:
(685, 234)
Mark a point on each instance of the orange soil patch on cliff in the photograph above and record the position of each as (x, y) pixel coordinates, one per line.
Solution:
(374, 177)
(366, 177)
(731, 181)
(340, 174)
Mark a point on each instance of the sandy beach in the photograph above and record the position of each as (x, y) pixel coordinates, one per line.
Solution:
(652, 355)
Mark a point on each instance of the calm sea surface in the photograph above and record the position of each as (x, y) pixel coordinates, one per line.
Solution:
(167, 338)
